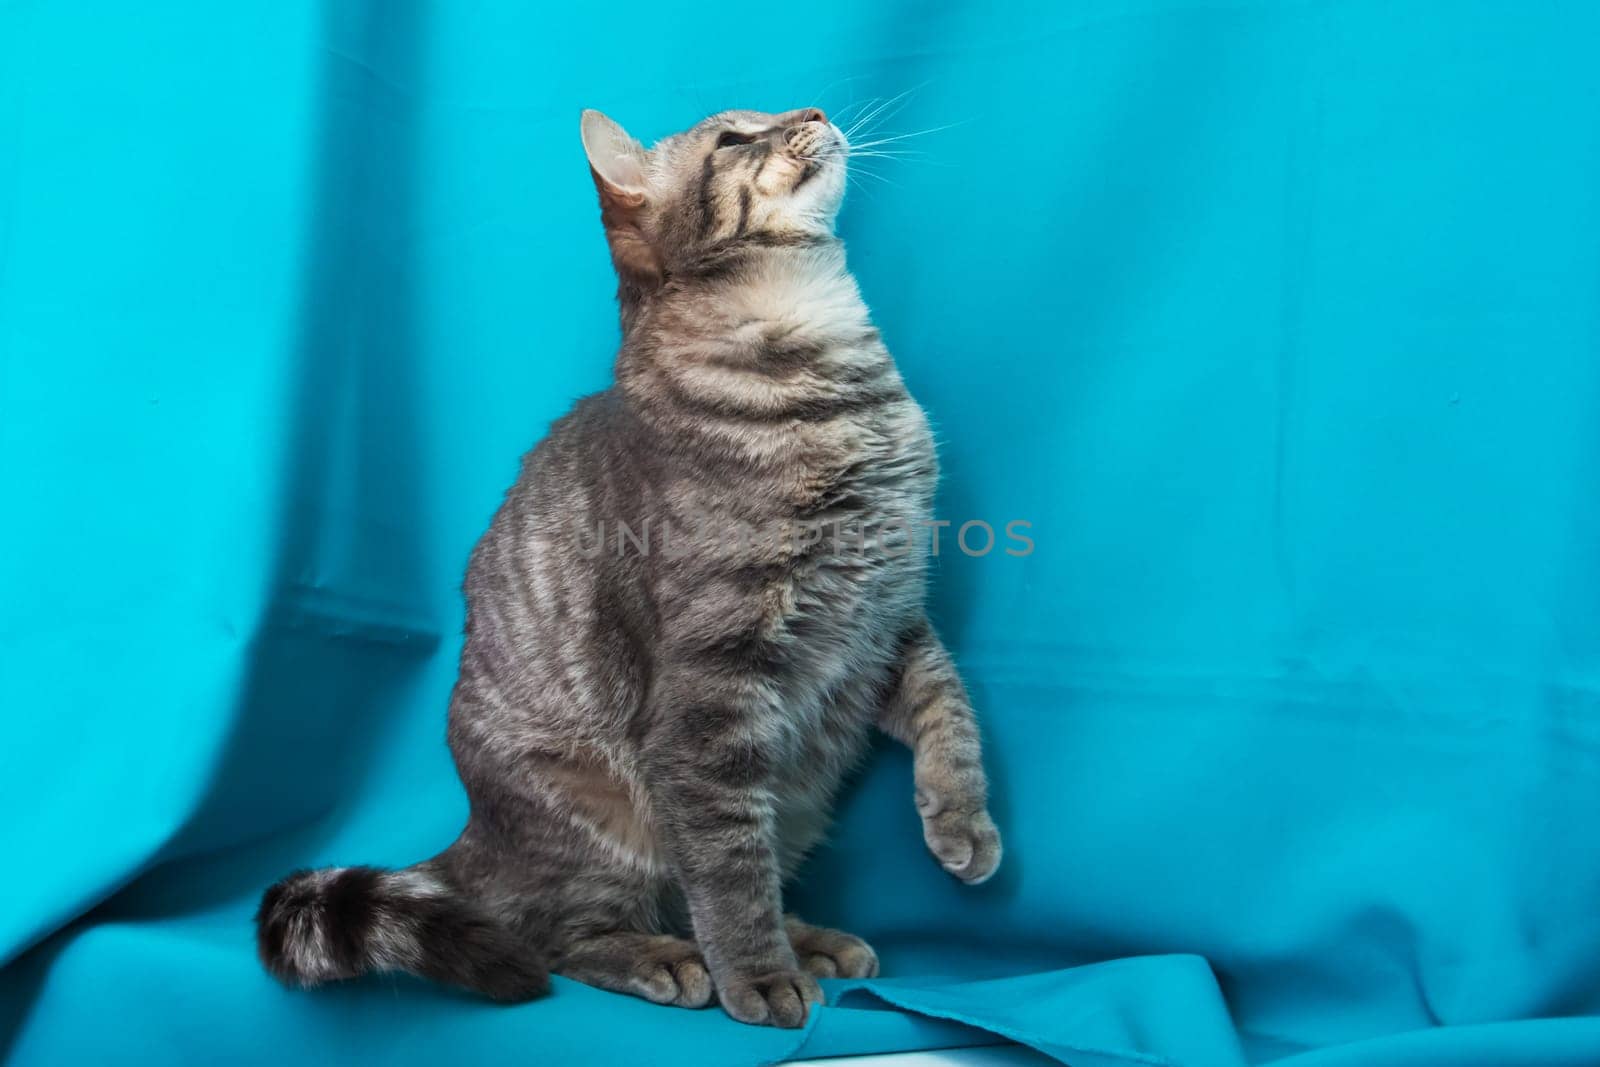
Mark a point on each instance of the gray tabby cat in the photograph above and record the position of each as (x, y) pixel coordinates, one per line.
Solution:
(652, 735)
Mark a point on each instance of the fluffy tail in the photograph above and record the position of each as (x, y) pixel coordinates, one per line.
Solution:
(321, 926)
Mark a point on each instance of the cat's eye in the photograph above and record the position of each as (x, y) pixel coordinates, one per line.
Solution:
(729, 138)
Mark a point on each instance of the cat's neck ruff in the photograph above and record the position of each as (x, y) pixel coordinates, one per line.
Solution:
(782, 309)
(785, 282)
(793, 291)
(769, 360)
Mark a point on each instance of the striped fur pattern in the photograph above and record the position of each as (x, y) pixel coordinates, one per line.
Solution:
(652, 736)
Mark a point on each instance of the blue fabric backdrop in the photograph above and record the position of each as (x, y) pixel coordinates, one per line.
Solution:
(1277, 320)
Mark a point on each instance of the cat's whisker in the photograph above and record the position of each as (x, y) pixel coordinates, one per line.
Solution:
(879, 111)
(843, 79)
(854, 182)
(898, 101)
(863, 108)
(921, 161)
(850, 131)
(839, 113)
(885, 113)
(858, 180)
(890, 153)
(854, 116)
(865, 173)
(903, 102)
(895, 138)
(909, 155)
(855, 108)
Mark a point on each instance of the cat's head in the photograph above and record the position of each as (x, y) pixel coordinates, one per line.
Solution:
(737, 175)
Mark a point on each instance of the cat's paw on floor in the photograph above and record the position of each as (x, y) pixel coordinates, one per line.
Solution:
(829, 953)
(777, 998)
(658, 967)
(683, 983)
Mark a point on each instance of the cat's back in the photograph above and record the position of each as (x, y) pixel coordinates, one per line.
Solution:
(544, 592)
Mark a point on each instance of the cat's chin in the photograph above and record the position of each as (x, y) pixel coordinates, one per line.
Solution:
(819, 197)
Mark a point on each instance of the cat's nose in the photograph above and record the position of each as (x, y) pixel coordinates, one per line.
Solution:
(801, 126)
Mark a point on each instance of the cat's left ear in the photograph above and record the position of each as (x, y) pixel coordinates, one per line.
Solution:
(616, 158)
(617, 162)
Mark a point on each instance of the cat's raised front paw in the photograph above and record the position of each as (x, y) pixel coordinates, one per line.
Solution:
(777, 998)
(966, 843)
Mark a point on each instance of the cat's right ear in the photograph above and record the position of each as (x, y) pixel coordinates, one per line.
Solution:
(617, 162)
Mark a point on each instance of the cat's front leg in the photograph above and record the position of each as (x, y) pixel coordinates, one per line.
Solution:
(709, 773)
(928, 711)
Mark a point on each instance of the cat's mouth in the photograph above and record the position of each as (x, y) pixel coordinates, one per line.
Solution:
(807, 140)
(813, 146)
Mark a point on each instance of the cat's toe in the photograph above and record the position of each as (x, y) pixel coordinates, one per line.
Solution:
(819, 965)
(966, 843)
(678, 978)
(779, 998)
(832, 953)
(657, 985)
(694, 984)
(854, 959)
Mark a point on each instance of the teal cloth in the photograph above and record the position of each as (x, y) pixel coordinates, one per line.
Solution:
(1278, 321)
